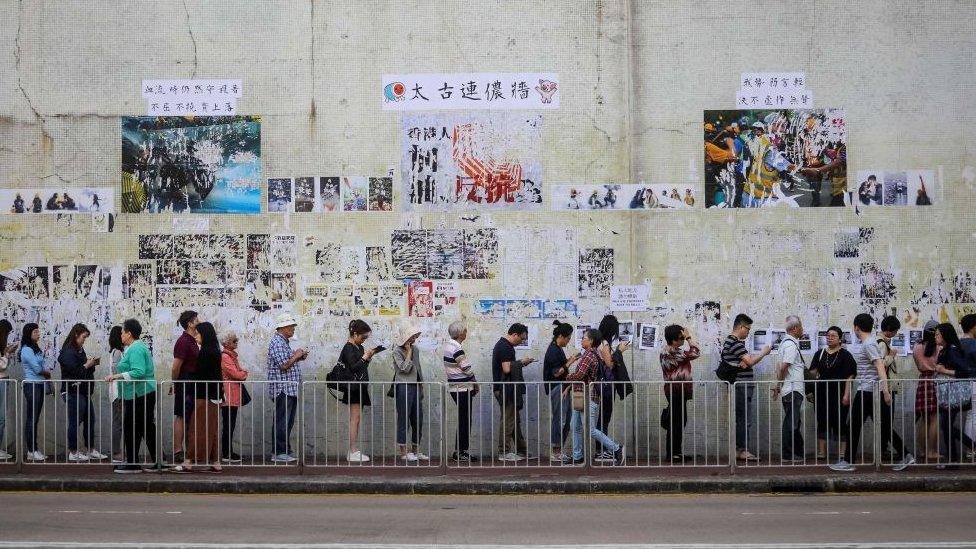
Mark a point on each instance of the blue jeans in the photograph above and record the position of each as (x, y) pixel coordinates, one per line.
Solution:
(595, 431)
(3, 411)
(33, 404)
(408, 408)
(79, 412)
(285, 411)
(559, 419)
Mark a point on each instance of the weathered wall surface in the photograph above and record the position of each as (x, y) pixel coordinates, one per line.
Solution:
(634, 80)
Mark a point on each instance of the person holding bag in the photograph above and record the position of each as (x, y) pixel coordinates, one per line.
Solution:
(585, 375)
(555, 368)
(354, 360)
(235, 396)
(6, 353)
(954, 396)
(676, 369)
(408, 392)
(78, 373)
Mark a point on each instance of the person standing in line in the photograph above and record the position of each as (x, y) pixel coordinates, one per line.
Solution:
(678, 389)
(138, 380)
(555, 368)
(870, 371)
(509, 391)
(834, 368)
(235, 396)
(284, 375)
(115, 394)
(185, 352)
(35, 375)
(790, 389)
(6, 353)
(77, 374)
(585, 375)
(953, 362)
(462, 386)
(408, 392)
(734, 354)
(357, 358)
(889, 329)
(926, 355)
(610, 328)
(207, 390)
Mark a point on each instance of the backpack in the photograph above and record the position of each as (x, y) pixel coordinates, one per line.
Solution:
(725, 371)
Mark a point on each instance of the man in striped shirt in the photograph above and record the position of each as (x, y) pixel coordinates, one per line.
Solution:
(734, 354)
(462, 386)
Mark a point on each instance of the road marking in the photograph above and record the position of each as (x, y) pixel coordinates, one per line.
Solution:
(752, 513)
(852, 545)
(97, 512)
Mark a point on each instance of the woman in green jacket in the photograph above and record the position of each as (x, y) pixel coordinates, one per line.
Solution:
(138, 380)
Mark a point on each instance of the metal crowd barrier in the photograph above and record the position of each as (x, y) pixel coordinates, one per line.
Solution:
(933, 420)
(225, 435)
(9, 423)
(402, 427)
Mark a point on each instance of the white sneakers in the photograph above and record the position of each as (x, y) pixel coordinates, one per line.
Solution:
(909, 459)
(284, 458)
(511, 456)
(36, 456)
(4, 455)
(842, 466)
(357, 457)
(76, 457)
(413, 457)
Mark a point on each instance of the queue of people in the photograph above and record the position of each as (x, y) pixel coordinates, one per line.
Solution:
(839, 382)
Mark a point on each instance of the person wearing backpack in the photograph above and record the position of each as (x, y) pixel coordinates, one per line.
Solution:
(790, 388)
(587, 375)
(889, 329)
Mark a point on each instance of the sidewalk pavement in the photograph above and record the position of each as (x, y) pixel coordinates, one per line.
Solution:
(491, 482)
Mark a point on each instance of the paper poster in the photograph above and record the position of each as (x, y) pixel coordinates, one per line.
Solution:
(103, 222)
(895, 188)
(304, 194)
(559, 309)
(191, 164)
(626, 331)
(469, 91)
(354, 192)
(615, 196)
(444, 253)
(191, 224)
(54, 200)
(279, 195)
(529, 342)
(595, 272)
(420, 298)
(471, 161)
(446, 293)
(767, 158)
(647, 339)
(329, 194)
(629, 298)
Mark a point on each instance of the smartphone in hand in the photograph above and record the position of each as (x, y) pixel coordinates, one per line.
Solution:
(378, 349)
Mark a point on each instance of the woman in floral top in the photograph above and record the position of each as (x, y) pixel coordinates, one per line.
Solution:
(587, 372)
(676, 367)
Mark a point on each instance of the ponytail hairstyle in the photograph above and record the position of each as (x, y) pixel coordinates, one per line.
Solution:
(72, 339)
(358, 327)
(561, 329)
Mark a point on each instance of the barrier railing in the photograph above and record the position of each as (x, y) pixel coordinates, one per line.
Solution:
(665, 423)
(68, 422)
(239, 424)
(373, 424)
(8, 421)
(931, 419)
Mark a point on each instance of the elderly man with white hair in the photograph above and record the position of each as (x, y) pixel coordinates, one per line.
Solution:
(235, 396)
(284, 375)
(791, 389)
(408, 391)
(462, 386)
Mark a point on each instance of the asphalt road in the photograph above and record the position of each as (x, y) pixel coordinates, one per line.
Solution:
(153, 520)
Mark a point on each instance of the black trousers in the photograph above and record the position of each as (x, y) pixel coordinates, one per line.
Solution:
(228, 423)
(138, 424)
(862, 408)
(675, 420)
(463, 401)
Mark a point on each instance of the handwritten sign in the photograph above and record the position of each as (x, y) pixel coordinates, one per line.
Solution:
(629, 298)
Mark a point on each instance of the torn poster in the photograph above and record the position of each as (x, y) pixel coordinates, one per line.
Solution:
(615, 196)
(629, 298)
(191, 164)
(469, 91)
(647, 339)
(446, 293)
(444, 253)
(455, 161)
(763, 158)
(595, 272)
(64, 200)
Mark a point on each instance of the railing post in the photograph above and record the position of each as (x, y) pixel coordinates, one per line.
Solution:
(444, 457)
(18, 425)
(301, 427)
(730, 391)
(877, 424)
(585, 425)
(159, 423)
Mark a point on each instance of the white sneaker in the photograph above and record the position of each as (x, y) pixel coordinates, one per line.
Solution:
(283, 458)
(77, 456)
(904, 463)
(96, 455)
(842, 466)
(422, 456)
(4, 456)
(604, 457)
(409, 457)
(511, 456)
(357, 457)
(36, 456)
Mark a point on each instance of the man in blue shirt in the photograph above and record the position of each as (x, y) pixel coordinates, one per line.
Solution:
(285, 374)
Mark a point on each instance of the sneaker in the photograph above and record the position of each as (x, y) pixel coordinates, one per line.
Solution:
(283, 458)
(4, 455)
(558, 457)
(233, 458)
(76, 457)
(746, 455)
(604, 457)
(152, 469)
(842, 466)
(116, 460)
(36, 456)
(460, 457)
(179, 469)
(409, 457)
(422, 456)
(96, 455)
(577, 461)
(127, 469)
(904, 463)
(510, 456)
(357, 457)
(619, 457)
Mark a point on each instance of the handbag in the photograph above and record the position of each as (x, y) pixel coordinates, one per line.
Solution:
(245, 396)
(579, 400)
(952, 394)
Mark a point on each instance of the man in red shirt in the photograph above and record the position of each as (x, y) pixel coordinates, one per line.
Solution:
(676, 368)
(185, 353)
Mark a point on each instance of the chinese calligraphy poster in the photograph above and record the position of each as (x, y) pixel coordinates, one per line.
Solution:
(486, 161)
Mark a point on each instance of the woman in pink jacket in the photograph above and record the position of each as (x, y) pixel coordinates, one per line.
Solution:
(235, 396)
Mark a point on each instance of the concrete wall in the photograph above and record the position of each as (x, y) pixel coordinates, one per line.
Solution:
(634, 78)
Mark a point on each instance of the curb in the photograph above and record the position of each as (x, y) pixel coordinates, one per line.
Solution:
(490, 486)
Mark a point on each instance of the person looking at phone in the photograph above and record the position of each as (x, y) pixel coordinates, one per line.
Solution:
(6, 353)
(285, 375)
(356, 358)
(77, 375)
(509, 391)
(408, 390)
(35, 375)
